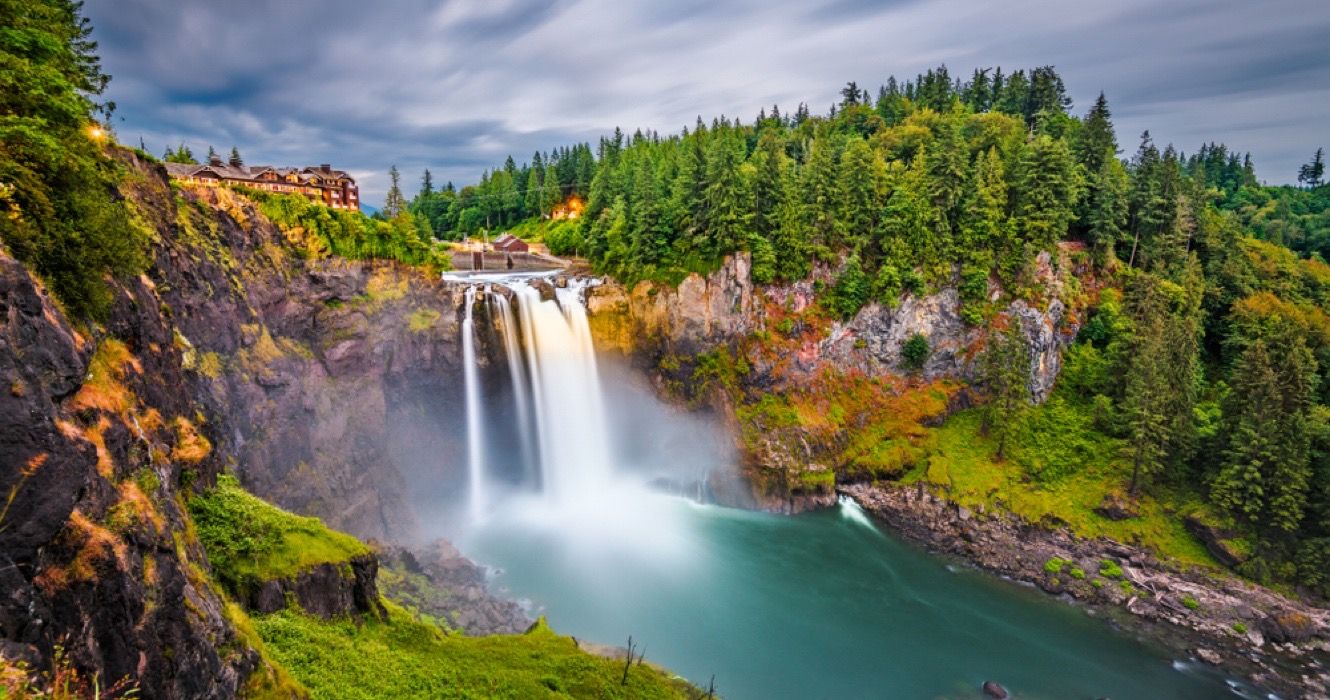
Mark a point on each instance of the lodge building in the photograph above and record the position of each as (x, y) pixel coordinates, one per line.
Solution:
(334, 188)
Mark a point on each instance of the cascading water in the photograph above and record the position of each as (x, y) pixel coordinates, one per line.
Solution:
(568, 475)
(513, 348)
(475, 425)
(573, 435)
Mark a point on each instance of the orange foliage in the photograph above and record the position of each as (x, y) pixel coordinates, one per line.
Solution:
(105, 390)
(96, 435)
(94, 544)
(191, 447)
(136, 502)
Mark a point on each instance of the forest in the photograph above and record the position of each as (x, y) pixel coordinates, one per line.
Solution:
(1208, 355)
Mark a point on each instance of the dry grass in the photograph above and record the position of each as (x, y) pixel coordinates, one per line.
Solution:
(191, 446)
(104, 388)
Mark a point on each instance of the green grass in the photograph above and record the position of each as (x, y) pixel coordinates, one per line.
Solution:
(406, 658)
(250, 541)
(1034, 484)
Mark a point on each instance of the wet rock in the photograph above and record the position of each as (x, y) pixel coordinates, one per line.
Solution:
(995, 690)
(1209, 656)
(1289, 626)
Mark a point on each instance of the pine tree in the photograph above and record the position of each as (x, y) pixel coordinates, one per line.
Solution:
(790, 240)
(856, 196)
(1313, 174)
(181, 154)
(1048, 185)
(235, 161)
(426, 185)
(728, 198)
(821, 190)
(1006, 377)
(212, 154)
(1146, 395)
(1096, 143)
(947, 165)
(1252, 424)
(394, 203)
(551, 194)
(1047, 95)
(1106, 217)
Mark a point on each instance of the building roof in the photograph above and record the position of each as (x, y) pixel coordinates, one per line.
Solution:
(226, 171)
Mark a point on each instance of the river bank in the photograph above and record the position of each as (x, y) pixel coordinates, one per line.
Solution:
(1247, 630)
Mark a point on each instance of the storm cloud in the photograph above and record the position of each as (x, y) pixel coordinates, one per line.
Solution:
(457, 85)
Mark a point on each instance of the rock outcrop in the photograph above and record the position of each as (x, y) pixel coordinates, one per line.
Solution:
(235, 350)
(723, 308)
(328, 590)
(94, 551)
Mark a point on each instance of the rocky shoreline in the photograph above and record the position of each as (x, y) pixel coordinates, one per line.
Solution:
(1244, 629)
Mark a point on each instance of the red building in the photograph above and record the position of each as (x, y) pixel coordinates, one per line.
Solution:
(508, 243)
(334, 188)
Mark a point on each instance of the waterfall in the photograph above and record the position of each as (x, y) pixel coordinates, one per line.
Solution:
(561, 429)
(513, 349)
(565, 387)
(475, 424)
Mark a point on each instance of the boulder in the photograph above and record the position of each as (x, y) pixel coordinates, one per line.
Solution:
(1215, 538)
(993, 689)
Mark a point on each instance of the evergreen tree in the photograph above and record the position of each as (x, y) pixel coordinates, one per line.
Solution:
(1047, 95)
(1146, 395)
(856, 195)
(234, 160)
(790, 240)
(551, 194)
(182, 154)
(1005, 369)
(728, 198)
(1106, 218)
(394, 203)
(1313, 174)
(426, 185)
(821, 190)
(947, 164)
(1048, 186)
(1252, 423)
(212, 154)
(1096, 143)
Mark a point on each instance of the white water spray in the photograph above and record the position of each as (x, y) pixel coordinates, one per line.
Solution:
(513, 349)
(475, 425)
(570, 416)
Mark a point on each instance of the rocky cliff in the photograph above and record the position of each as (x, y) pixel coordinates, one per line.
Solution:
(236, 351)
(721, 340)
(724, 308)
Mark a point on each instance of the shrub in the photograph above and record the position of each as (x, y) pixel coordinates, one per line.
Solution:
(1077, 573)
(851, 290)
(914, 353)
(1054, 565)
(1097, 583)
(1240, 628)
(1190, 603)
(1110, 569)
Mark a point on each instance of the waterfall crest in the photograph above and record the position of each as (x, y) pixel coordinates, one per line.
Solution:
(559, 414)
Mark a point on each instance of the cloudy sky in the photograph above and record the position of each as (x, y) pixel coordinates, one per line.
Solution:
(457, 85)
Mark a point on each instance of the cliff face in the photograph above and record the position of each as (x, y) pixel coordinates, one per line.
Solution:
(724, 308)
(95, 555)
(799, 384)
(232, 352)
